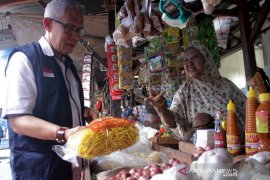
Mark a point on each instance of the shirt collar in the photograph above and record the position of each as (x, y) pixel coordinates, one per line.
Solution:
(45, 46)
(47, 49)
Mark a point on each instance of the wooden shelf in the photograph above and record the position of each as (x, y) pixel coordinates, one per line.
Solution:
(187, 147)
(173, 153)
(184, 154)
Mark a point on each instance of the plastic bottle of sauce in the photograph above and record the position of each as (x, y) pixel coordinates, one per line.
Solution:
(251, 136)
(233, 139)
(263, 122)
(220, 134)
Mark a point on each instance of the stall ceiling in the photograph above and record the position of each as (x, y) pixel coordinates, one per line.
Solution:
(21, 23)
(256, 8)
(32, 10)
(97, 11)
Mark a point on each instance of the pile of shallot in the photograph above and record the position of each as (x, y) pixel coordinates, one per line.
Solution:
(146, 172)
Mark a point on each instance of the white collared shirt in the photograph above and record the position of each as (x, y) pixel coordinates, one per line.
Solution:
(21, 90)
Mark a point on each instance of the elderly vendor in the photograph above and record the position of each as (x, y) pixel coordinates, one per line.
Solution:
(204, 91)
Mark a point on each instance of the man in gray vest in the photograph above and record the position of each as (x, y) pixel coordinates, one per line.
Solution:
(44, 100)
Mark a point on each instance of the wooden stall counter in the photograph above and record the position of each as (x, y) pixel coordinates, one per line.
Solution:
(165, 141)
(184, 151)
(190, 149)
(173, 153)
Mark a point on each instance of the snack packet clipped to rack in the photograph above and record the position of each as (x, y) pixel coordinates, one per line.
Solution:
(125, 66)
(101, 137)
(112, 64)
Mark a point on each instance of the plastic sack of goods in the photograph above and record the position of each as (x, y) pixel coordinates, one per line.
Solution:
(101, 137)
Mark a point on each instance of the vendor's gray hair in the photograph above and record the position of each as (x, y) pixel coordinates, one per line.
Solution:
(57, 8)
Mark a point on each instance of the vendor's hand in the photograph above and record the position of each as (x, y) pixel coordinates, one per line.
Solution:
(90, 114)
(69, 132)
(157, 100)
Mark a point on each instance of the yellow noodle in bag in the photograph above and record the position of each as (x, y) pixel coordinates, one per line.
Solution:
(103, 136)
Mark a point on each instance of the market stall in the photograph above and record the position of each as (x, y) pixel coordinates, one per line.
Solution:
(144, 53)
(147, 46)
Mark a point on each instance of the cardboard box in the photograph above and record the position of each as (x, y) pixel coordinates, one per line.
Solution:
(205, 137)
(187, 147)
(173, 153)
(165, 141)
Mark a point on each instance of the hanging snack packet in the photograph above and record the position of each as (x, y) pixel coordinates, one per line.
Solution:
(125, 67)
(155, 64)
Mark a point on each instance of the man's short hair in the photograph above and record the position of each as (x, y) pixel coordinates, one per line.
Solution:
(57, 8)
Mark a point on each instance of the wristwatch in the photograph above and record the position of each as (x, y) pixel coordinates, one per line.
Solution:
(60, 135)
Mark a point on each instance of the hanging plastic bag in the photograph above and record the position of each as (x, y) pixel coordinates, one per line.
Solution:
(209, 5)
(125, 31)
(174, 13)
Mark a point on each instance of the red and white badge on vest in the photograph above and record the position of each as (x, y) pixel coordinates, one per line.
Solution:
(47, 72)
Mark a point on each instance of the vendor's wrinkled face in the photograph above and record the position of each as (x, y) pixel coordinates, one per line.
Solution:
(66, 31)
(193, 63)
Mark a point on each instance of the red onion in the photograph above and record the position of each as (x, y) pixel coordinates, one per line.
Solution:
(196, 154)
(131, 178)
(155, 168)
(171, 161)
(153, 173)
(165, 166)
(207, 148)
(118, 176)
(143, 178)
(146, 167)
(138, 174)
(124, 175)
(132, 171)
(176, 163)
(146, 173)
(199, 149)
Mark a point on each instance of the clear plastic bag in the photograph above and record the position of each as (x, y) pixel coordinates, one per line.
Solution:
(123, 159)
(140, 154)
(66, 154)
(209, 5)
(124, 32)
(101, 137)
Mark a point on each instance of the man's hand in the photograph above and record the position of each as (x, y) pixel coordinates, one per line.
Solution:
(157, 100)
(71, 131)
(90, 114)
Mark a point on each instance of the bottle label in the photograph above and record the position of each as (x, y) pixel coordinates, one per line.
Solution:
(262, 118)
(233, 144)
(251, 143)
(220, 141)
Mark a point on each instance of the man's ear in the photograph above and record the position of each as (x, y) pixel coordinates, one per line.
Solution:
(47, 23)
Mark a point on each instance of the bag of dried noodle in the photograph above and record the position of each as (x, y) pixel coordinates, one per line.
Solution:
(103, 136)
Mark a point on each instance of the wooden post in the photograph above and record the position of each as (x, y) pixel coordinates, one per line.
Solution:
(247, 44)
(111, 21)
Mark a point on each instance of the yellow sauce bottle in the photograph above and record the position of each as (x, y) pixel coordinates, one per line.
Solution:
(233, 139)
